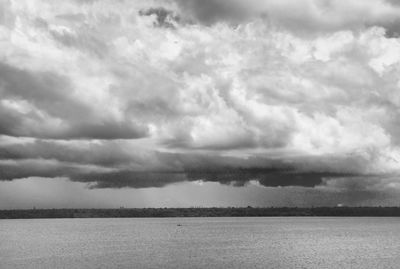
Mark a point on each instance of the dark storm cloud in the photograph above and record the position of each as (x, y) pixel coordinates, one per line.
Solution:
(232, 177)
(228, 176)
(173, 168)
(111, 165)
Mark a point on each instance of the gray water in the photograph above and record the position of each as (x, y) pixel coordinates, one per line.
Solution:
(201, 243)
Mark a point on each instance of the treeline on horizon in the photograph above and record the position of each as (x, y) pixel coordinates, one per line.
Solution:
(201, 212)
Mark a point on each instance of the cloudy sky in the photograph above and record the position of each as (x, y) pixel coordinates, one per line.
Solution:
(199, 103)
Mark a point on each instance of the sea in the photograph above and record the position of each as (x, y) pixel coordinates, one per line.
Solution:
(245, 242)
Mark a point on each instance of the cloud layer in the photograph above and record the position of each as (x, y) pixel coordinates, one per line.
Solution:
(149, 93)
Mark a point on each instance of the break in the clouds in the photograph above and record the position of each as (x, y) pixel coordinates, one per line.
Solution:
(149, 93)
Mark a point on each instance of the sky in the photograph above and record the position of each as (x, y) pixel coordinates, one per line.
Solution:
(180, 103)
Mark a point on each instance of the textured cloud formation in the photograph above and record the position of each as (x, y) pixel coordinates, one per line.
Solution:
(149, 93)
(303, 17)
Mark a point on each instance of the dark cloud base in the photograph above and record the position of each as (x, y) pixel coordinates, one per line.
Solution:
(110, 164)
(133, 179)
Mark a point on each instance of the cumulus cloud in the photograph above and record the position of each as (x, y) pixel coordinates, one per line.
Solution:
(42, 105)
(148, 93)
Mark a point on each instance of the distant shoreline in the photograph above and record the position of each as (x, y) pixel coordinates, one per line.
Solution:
(202, 212)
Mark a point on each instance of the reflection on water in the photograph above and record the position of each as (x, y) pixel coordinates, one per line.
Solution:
(201, 243)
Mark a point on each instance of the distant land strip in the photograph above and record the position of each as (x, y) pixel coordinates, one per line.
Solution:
(201, 212)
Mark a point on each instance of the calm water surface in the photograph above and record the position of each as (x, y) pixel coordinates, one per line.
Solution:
(201, 243)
